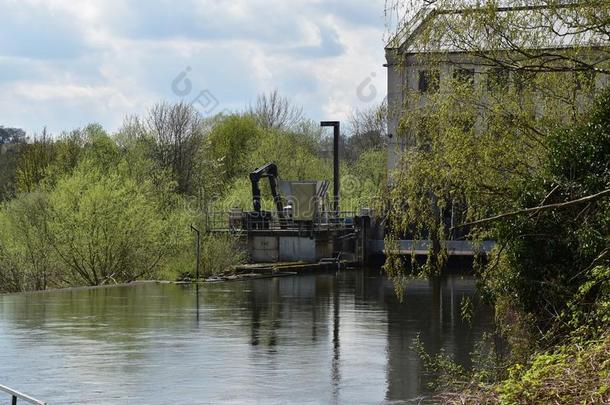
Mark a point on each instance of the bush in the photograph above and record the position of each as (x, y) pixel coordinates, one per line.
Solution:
(219, 253)
(573, 374)
(27, 261)
(549, 256)
(108, 227)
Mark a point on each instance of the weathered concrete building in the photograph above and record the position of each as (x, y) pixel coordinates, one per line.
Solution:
(408, 57)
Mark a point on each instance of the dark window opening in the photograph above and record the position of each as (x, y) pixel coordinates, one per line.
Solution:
(429, 81)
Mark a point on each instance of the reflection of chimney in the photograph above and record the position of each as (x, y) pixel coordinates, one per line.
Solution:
(336, 135)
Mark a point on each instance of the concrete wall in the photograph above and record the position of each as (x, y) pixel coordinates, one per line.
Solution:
(395, 102)
(403, 76)
(296, 249)
(278, 248)
(263, 249)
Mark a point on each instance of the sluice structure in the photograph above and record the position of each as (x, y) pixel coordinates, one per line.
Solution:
(328, 237)
(307, 226)
(302, 228)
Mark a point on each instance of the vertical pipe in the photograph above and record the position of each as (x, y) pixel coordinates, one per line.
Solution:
(197, 271)
(198, 258)
(336, 136)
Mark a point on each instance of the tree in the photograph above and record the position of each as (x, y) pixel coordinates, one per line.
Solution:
(367, 181)
(12, 142)
(12, 136)
(33, 162)
(532, 36)
(46, 159)
(275, 111)
(518, 150)
(27, 261)
(106, 227)
(367, 131)
(178, 132)
(230, 142)
(477, 136)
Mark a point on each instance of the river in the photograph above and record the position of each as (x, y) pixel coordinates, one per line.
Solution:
(323, 338)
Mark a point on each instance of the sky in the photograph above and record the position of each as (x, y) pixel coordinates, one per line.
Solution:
(67, 63)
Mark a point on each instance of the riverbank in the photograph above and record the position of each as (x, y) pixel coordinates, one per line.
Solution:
(242, 272)
(549, 277)
(573, 373)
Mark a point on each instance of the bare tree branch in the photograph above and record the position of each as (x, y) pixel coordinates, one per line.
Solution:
(587, 199)
(275, 111)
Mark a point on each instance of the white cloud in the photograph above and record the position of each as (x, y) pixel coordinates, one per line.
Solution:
(53, 92)
(95, 60)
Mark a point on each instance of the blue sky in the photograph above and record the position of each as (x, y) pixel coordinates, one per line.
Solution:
(66, 63)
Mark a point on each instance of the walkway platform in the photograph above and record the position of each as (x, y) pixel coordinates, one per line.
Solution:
(421, 248)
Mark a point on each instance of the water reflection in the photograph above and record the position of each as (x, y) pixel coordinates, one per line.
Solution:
(341, 338)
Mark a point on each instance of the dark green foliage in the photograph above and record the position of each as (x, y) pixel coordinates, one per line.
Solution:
(12, 142)
(580, 157)
(11, 136)
(551, 255)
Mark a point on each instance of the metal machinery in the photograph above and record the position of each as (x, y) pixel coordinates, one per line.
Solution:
(258, 219)
(298, 204)
(304, 226)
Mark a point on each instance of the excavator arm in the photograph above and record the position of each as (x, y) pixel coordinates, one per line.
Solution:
(269, 170)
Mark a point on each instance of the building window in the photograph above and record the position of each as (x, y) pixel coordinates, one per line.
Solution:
(465, 76)
(497, 79)
(429, 81)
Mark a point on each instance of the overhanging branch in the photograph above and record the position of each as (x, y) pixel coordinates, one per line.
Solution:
(587, 199)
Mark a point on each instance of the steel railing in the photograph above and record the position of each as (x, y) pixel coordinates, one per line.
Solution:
(19, 395)
(327, 220)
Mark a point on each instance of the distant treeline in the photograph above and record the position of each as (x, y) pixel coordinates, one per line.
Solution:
(86, 207)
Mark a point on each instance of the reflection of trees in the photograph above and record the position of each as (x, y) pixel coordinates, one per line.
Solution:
(261, 306)
(297, 327)
(432, 311)
(300, 304)
(117, 314)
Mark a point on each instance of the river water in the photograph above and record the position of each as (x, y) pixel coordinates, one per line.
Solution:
(324, 338)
